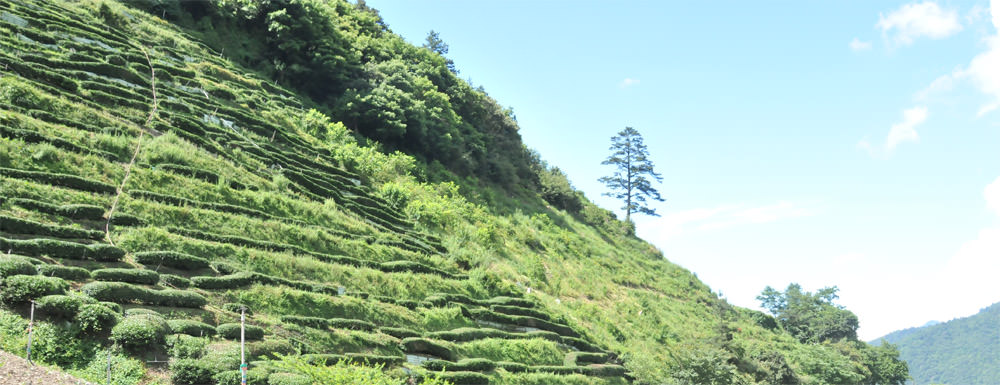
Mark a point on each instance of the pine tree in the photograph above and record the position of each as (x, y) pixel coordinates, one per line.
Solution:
(630, 182)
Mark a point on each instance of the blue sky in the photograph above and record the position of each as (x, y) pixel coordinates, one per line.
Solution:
(853, 143)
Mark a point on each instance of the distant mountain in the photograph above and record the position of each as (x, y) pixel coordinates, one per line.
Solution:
(963, 351)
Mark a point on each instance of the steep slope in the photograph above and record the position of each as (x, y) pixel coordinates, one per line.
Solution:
(960, 351)
(152, 190)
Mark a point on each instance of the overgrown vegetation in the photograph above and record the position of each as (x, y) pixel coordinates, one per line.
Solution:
(264, 183)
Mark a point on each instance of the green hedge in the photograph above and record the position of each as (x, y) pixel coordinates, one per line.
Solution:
(69, 273)
(526, 321)
(352, 324)
(14, 225)
(288, 379)
(120, 219)
(469, 365)
(604, 370)
(584, 358)
(399, 332)
(426, 346)
(469, 334)
(234, 377)
(513, 367)
(175, 281)
(96, 318)
(62, 249)
(313, 322)
(22, 288)
(196, 173)
(121, 292)
(145, 277)
(465, 378)
(16, 265)
(231, 331)
(58, 306)
(140, 331)
(516, 310)
(190, 327)
(372, 359)
(171, 259)
(510, 301)
(267, 348)
(190, 371)
(62, 180)
(231, 281)
(413, 267)
(581, 344)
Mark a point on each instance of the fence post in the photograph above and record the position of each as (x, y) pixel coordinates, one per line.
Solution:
(109, 364)
(31, 330)
(243, 359)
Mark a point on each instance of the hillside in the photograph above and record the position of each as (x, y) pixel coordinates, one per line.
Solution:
(153, 184)
(960, 351)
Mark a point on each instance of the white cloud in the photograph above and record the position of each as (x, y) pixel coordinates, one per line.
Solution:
(984, 69)
(906, 129)
(915, 20)
(628, 82)
(857, 45)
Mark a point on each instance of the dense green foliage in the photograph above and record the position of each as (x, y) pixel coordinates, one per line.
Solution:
(960, 351)
(256, 184)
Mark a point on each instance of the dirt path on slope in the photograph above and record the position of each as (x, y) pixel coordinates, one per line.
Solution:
(15, 370)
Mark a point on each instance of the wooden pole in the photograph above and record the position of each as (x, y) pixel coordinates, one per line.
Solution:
(109, 366)
(243, 358)
(31, 330)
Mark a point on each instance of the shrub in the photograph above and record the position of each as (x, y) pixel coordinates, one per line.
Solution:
(313, 322)
(73, 211)
(513, 367)
(63, 180)
(175, 281)
(126, 220)
(511, 301)
(141, 311)
(124, 293)
(516, 310)
(15, 265)
(21, 288)
(288, 379)
(269, 348)
(236, 307)
(140, 331)
(14, 225)
(190, 327)
(117, 308)
(352, 324)
(604, 370)
(171, 259)
(105, 253)
(96, 318)
(583, 358)
(374, 360)
(191, 372)
(231, 331)
(426, 346)
(231, 281)
(145, 277)
(69, 273)
(185, 346)
(399, 332)
(469, 334)
(469, 364)
(58, 306)
(465, 378)
(254, 377)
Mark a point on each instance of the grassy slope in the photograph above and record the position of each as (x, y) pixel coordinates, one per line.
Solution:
(616, 290)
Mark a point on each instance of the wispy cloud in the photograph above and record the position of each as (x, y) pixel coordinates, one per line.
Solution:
(726, 216)
(906, 129)
(628, 82)
(983, 71)
(857, 45)
(915, 20)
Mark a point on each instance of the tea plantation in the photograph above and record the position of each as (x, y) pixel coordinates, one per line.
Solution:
(151, 190)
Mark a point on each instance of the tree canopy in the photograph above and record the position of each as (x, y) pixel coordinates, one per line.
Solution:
(630, 181)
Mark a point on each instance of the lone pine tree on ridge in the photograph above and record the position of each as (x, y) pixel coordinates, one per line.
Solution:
(629, 181)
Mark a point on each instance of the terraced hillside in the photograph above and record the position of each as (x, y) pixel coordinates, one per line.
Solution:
(139, 171)
(151, 191)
